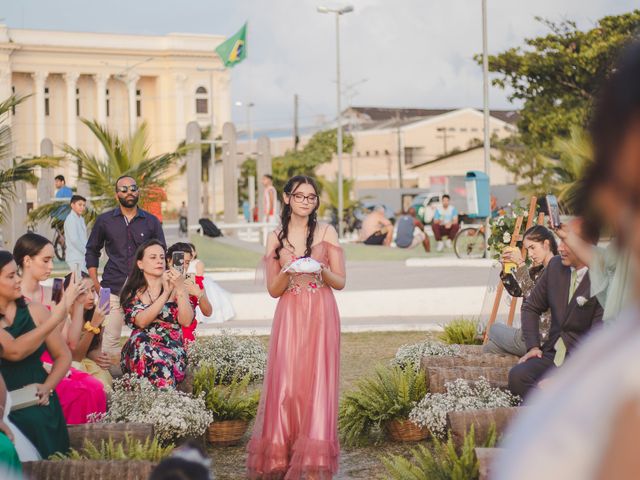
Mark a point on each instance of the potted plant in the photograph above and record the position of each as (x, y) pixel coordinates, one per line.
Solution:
(381, 403)
(232, 404)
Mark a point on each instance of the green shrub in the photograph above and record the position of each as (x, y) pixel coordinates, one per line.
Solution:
(389, 394)
(232, 401)
(131, 449)
(461, 331)
(443, 462)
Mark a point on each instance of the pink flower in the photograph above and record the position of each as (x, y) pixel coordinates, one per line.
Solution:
(174, 335)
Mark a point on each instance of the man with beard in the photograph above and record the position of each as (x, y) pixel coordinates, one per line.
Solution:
(120, 231)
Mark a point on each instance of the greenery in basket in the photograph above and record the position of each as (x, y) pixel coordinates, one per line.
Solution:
(431, 411)
(232, 401)
(462, 331)
(173, 414)
(442, 462)
(411, 354)
(131, 449)
(389, 394)
(503, 226)
(233, 356)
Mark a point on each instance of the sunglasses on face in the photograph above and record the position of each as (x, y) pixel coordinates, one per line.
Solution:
(299, 198)
(127, 188)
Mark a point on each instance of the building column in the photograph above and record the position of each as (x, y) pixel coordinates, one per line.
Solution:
(39, 79)
(5, 84)
(132, 81)
(181, 79)
(101, 80)
(71, 80)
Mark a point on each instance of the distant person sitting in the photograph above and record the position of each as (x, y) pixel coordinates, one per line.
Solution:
(410, 231)
(376, 228)
(61, 186)
(445, 223)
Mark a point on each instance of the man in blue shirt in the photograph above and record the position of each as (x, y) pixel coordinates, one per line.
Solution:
(120, 231)
(445, 223)
(62, 190)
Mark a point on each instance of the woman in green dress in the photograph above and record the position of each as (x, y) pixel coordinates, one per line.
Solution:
(43, 424)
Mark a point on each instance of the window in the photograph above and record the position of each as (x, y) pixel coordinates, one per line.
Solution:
(474, 129)
(463, 129)
(386, 152)
(202, 101)
(46, 101)
(366, 153)
(107, 101)
(376, 153)
(451, 129)
(13, 92)
(138, 103)
(77, 102)
(409, 155)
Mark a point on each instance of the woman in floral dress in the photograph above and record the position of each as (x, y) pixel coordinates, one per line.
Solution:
(295, 434)
(156, 305)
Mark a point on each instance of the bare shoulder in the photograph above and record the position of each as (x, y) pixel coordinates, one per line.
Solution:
(329, 233)
(272, 240)
(38, 312)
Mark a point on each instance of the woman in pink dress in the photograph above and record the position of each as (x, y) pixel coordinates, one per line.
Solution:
(295, 434)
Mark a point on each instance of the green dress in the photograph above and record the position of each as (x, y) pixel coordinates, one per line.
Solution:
(44, 426)
(9, 460)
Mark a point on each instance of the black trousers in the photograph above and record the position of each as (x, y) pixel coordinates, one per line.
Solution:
(524, 376)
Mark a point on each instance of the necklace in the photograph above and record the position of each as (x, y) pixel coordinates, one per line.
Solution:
(152, 300)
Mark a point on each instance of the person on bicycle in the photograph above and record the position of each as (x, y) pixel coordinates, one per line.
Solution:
(445, 223)
(75, 234)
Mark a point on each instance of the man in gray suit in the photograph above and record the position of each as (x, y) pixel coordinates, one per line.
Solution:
(564, 288)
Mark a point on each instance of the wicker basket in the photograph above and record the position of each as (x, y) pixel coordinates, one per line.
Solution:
(88, 469)
(226, 432)
(406, 431)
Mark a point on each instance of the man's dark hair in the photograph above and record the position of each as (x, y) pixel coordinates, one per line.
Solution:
(77, 198)
(446, 196)
(121, 177)
(589, 231)
(60, 178)
(270, 177)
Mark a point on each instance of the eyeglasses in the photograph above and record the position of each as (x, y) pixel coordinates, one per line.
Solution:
(127, 188)
(299, 198)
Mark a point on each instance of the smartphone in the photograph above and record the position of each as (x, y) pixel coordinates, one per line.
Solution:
(554, 211)
(104, 299)
(177, 259)
(76, 272)
(56, 290)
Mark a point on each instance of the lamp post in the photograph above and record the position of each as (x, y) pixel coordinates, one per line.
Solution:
(338, 12)
(485, 91)
(249, 106)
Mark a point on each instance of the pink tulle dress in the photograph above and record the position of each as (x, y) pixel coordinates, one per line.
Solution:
(295, 434)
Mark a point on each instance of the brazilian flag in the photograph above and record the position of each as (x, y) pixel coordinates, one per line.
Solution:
(233, 50)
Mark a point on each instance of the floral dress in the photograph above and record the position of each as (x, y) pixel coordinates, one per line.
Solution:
(157, 351)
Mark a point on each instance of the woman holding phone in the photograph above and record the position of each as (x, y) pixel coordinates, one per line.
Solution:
(156, 305)
(80, 394)
(295, 434)
(43, 424)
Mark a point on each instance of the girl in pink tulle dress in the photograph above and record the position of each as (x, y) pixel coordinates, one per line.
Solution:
(295, 434)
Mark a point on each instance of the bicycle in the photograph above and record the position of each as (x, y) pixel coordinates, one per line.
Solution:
(59, 246)
(471, 242)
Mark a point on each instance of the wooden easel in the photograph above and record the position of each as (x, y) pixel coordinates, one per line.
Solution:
(515, 236)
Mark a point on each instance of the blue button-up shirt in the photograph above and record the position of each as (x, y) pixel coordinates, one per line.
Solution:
(120, 240)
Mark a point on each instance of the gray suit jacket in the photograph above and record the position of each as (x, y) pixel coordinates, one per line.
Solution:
(568, 319)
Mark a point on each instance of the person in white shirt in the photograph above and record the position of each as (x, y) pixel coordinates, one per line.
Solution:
(75, 234)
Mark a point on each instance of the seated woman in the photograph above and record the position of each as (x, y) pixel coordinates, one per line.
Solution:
(541, 247)
(195, 287)
(156, 305)
(43, 424)
(80, 394)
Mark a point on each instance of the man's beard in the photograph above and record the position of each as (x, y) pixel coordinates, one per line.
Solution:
(128, 203)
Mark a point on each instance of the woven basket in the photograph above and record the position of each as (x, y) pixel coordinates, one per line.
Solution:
(88, 469)
(226, 432)
(406, 431)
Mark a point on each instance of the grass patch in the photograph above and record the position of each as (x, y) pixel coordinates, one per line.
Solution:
(361, 252)
(215, 254)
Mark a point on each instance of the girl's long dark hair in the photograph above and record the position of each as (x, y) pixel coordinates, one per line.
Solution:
(290, 188)
(28, 245)
(540, 233)
(136, 281)
(5, 259)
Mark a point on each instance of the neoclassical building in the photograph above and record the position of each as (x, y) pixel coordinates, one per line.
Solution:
(118, 80)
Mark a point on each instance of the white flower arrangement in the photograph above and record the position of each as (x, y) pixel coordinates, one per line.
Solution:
(411, 354)
(230, 354)
(431, 411)
(173, 414)
(581, 301)
(506, 237)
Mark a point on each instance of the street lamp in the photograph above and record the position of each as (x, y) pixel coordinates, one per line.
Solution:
(338, 12)
(485, 90)
(249, 105)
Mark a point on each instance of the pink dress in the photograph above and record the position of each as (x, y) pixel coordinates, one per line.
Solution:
(295, 433)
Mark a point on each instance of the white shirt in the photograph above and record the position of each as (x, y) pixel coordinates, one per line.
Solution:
(75, 237)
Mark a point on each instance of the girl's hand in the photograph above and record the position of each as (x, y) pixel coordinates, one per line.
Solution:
(43, 393)
(177, 281)
(166, 283)
(72, 293)
(512, 256)
(99, 315)
(192, 287)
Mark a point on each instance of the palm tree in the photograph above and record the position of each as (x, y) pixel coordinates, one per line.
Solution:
(122, 156)
(13, 170)
(575, 154)
(331, 190)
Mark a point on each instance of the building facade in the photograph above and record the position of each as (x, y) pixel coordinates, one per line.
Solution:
(119, 81)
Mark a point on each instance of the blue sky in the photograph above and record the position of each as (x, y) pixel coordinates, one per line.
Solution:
(412, 53)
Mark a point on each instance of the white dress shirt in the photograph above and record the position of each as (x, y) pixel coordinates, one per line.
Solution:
(75, 237)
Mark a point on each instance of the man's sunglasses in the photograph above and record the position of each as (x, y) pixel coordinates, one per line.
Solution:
(127, 188)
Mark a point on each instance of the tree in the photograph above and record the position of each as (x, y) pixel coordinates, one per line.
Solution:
(558, 75)
(12, 170)
(123, 156)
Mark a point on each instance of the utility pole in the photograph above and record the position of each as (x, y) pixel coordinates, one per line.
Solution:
(296, 134)
(485, 91)
(399, 133)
